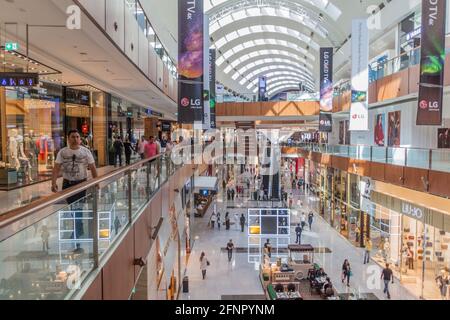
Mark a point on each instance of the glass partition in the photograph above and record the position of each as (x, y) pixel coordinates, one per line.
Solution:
(418, 158)
(53, 257)
(396, 156)
(379, 154)
(440, 160)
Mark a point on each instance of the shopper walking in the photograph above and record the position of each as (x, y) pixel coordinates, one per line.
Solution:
(141, 147)
(230, 247)
(298, 233)
(303, 220)
(213, 219)
(72, 162)
(268, 248)
(151, 148)
(45, 235)
(367, 250)
(204, 263)
(118, 149)
(410, 258)
(346, 272)
(310, 219)
(128, 151)
(242, 222)
(227, 221)
(218, 220)
(387, 276)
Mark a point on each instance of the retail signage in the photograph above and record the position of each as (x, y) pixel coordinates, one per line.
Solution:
(413, 211)
(79, 97)
(212, 86)
(190, 61)
(11, 46)
(206, 75)
(432, 63)
(365, 188)
(326, 89)
(359, 113)
(150, 112)
(18, 79)
(262, 88)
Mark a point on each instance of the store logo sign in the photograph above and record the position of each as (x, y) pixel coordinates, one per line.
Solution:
(73, 21)
(412, 211)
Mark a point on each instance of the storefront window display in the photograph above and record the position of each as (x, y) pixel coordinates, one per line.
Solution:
(126, 120)
(85, 106)
(32, 133)
(416, 241)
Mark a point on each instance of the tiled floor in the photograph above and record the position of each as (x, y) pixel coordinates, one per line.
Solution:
(242, 278)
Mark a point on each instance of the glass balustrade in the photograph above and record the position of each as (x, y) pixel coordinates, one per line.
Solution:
(51, 257)
(437, 160)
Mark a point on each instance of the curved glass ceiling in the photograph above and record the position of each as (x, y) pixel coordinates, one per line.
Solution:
(281, 88)
(324, 5)
(257, 29)
(284, 13)
(252, 65)
(263, 54)
(261, 42)
(255, 74)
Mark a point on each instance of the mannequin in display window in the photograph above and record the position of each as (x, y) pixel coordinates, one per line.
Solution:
(386, 248)
(16, 153)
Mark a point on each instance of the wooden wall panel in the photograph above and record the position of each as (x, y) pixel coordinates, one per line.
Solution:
(326, 159)
(447, 71)
(250, 109)
(373, 92)
(269, 109)
(377, 171)
(345, 101)
(336, 104)
(94, 292)
(414, 79)
(316, 157)
(413, 179)
(142, 237)
(118, 273)
(359, 167)
(439, 183)
(394, 174)
(289, 109)
(339, 163)
(382, 87)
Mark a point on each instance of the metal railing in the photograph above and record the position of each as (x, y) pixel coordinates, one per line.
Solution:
(429, 159)
(49, 248)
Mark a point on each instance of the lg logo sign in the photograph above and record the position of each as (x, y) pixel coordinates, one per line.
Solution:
(186, 102)
(430, 105)
(412, 211)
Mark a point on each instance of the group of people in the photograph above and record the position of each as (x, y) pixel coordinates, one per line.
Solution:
(216, 218)
(301, 226)
(144, 148)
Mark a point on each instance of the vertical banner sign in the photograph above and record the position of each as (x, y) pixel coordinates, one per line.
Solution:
(190, 61)
(206, 75)
(212, 86)
(326, 89)
(359, 113)
(432, 63)
(262, 88)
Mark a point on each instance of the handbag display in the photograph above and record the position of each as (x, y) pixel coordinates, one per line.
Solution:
(429, 245)
(411, 238)
(420, 251)
(442, 232)
(444, 246)
(441, 259)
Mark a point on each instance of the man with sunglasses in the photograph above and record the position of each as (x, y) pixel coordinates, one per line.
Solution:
(72, 161)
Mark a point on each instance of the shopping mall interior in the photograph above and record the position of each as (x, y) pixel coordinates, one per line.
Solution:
(224, 150)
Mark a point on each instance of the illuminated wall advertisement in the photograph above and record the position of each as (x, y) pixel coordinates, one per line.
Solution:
(262, 88)
(206, 75)
(432, 63)
(359, 113)
(212, 86)
(326, 89)
(190, 61)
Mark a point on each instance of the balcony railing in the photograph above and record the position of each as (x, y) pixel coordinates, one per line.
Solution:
(428, 159)
(49, 250)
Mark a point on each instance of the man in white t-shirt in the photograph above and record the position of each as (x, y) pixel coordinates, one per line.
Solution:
(72, 162)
